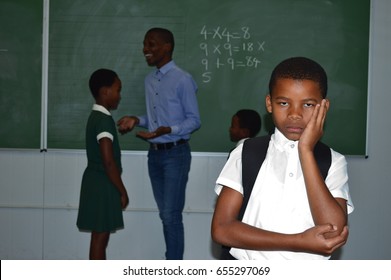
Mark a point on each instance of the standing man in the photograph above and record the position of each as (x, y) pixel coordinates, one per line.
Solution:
(172, 115)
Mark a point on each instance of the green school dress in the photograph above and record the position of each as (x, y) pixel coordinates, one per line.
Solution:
(100, 205)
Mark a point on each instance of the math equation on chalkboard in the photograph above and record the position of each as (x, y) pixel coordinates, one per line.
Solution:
(229, 49)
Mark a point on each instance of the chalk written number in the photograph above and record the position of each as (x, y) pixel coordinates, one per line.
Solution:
(232, 63)
(222, 33)
(230, 49)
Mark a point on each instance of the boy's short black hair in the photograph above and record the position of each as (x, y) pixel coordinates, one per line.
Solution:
(249, 119)
(300, 68)
(165, 34)
(101, 78)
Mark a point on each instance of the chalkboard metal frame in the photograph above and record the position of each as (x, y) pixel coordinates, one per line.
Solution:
(230, 49)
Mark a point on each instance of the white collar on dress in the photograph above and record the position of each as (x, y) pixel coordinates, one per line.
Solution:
(101, 109)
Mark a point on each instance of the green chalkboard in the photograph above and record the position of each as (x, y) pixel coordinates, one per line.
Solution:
(20, 73)
(230, 47)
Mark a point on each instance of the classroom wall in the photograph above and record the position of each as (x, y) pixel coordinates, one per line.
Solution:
(39, 191)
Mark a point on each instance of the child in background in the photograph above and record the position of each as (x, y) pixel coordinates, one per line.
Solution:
(103, 195)
(292, 212)
(246, 123)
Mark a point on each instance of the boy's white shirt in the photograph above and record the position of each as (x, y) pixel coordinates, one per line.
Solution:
(278, 200)
(241, 141)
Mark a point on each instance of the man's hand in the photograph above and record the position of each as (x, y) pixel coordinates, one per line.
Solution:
(158, 132)
(127, 123)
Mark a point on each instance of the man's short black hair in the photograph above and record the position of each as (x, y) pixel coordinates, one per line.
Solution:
(165, 34)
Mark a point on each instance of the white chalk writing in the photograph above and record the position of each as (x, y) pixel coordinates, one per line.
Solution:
(233, 49)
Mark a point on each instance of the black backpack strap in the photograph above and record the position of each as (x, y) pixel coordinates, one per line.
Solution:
(322, 155)
(253, 154)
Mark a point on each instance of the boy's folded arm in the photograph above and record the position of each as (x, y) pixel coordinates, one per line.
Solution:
(325, 208)
(229, 231)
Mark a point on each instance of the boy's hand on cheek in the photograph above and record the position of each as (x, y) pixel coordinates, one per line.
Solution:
(314, 129)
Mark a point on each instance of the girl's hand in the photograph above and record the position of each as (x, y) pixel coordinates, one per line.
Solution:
(124, 200)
